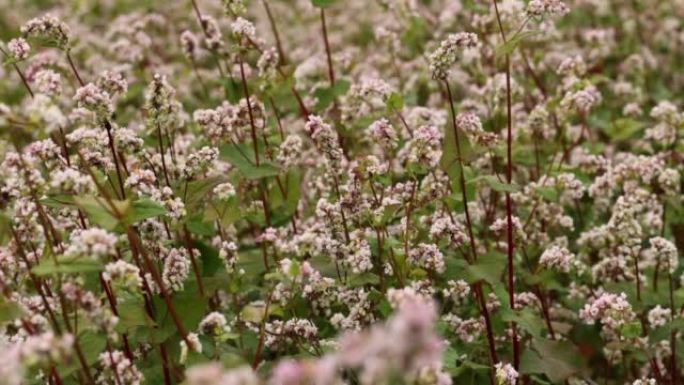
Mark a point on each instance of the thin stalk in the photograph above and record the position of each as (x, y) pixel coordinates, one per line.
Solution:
(638, 279)
(279, 45)
(478, 286)
(303, 111)
(409, 209)
(195, 268)
(255, 144)
(339, 199)
(200, 20)
(115, 157)
(21, 74)
(137, 250)
(490, 332)
(111, 299)
(82, 361)
(262, 334)
(35, 280)
(108, 128)
(462, 180)
(165, 364)
(163, 157)
(249, 110)
(331, 70)
(74, 70)
(674, 373)
(509, 204)
(199, 77)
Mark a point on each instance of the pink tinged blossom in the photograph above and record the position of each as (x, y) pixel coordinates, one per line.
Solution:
(176, 269)
(538, 8)
(506, 374)
(95, 99)
(18, 49)
(447, 52)
(556, 257)
(49, 30)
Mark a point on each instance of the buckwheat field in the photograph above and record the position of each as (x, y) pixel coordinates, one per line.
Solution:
(341, 192)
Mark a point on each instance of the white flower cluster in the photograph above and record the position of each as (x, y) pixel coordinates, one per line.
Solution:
(243, 28)
(214, 324)
(290, 151)
(118, 369)
(447, 52)
(176, 269)
(95, 99)
(280, 332)
(506, 374)
(612, 310)
(659, 316)
(472, 126)
(428, 257)
(49, 29)
(93, 242)
(123, 274)
(537, 8)
(18, 49)
(557, 257)
(325, 138)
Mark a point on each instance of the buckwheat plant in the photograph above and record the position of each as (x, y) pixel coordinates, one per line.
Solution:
(341, 192)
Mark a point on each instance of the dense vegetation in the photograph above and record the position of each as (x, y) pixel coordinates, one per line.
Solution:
(320, 192)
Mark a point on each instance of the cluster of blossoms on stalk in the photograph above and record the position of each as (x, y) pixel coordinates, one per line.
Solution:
(322, 192)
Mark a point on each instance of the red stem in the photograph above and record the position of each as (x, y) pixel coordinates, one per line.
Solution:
(331, 71)
(509, 205)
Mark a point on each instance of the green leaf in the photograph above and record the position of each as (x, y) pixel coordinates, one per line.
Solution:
(631, 330)
(197, 225)
(9, 60)
(189, 307)
(508, 47)
(4, 228)
(58, 201)
(526, 319)
(363, 279)
(456, 268)
(211, 261)
(133, 314)
(322, 3)
(558, 360)
(66, 265)
(494, 183)
(327, 95)
(238, 158)
(197, 190)
(623, 129)
(415, 36)
(254, 312)
(99, 212)
(548, 193)
(294, 180)
(488, 267)
(449, 161)
(530, 362)
(143, 209)
(9, 311)
(284, 198)
(231, 90)
(450, 359)
(226, 212)
(395, 102)
(91, 344)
